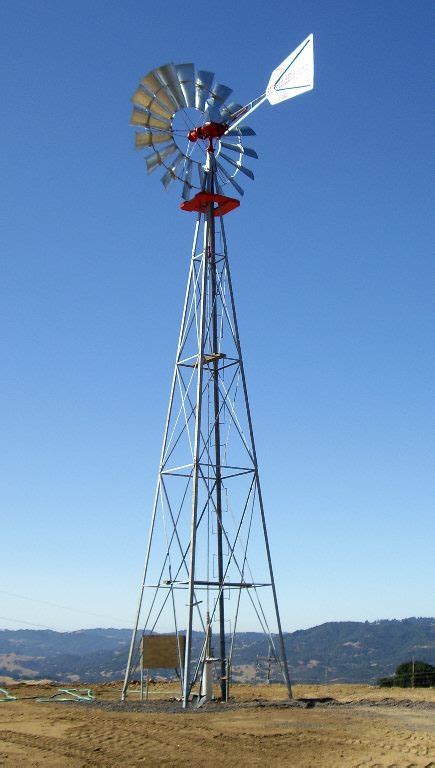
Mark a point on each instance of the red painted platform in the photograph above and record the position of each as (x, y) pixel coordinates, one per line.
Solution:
(200, 202)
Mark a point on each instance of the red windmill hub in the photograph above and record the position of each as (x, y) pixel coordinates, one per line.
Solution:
(208, 131)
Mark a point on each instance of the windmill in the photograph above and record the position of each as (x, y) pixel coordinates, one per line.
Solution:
(208, 522)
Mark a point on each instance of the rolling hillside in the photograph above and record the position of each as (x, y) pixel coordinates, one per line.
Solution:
(335, 652)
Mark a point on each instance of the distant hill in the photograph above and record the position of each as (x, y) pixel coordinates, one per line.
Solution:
(344, 651)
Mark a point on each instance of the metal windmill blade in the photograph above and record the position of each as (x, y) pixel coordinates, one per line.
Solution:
(187, 186)
(229, 109)
(154, 85)
(187, 77)
(169, 77)
(171, 173)
(143, 98)
(244, 130)
(212, 111)
(221, 92)
(240, 148)
(146, 139)
(230, 178)
(203, 85)
(148, 120)
(158, 158)
(237, 164)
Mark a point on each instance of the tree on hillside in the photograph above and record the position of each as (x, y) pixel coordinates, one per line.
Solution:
(411, 674)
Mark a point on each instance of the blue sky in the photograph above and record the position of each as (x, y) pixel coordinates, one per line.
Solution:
(333, 263)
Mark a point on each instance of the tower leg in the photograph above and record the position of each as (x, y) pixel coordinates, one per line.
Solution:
(128, 670)
(260, 497)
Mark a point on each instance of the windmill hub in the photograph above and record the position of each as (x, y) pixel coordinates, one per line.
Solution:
(208, 131)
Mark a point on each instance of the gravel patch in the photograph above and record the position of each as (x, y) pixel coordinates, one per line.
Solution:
(173, 706)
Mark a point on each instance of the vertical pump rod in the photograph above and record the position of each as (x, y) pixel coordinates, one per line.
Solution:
(217, 436)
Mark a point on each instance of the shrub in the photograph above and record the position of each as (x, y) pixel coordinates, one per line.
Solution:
(410, 674)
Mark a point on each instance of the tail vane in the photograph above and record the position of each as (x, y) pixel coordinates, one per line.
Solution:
(294, 76)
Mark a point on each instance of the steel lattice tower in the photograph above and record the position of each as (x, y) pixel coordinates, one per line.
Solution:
(208, 523)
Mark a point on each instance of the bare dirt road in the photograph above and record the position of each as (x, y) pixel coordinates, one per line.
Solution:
(362, 726)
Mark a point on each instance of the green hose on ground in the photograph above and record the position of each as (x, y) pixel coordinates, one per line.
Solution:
(69, 694)
(6, 696)
(63, 694)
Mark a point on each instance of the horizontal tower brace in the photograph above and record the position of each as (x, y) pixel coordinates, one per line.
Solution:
(206, 464)
(206, 585)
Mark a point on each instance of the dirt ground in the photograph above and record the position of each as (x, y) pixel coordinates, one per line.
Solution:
(361, 726)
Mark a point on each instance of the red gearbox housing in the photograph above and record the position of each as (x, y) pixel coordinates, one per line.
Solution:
(208, 131)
